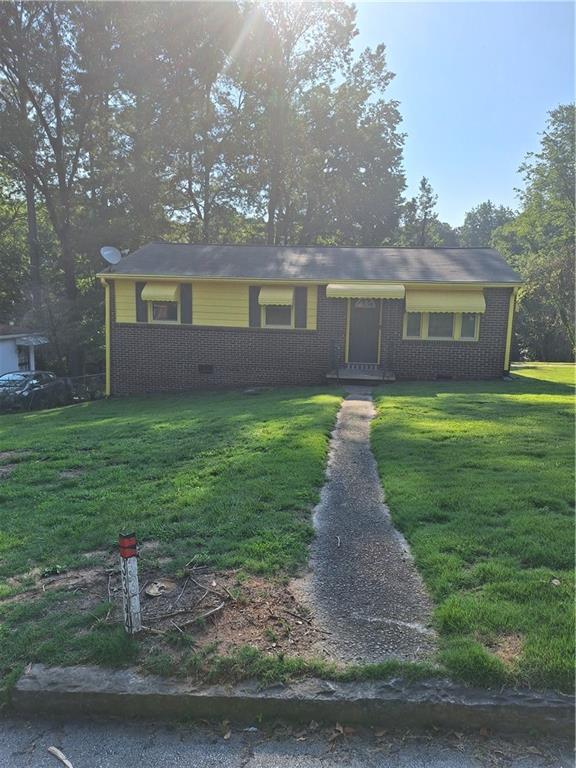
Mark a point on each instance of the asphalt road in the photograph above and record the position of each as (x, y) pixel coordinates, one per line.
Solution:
(100, 744)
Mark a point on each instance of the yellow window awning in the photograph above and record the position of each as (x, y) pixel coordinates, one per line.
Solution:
(364, 291)
(445, 301)
(280, 295)
(160, 292)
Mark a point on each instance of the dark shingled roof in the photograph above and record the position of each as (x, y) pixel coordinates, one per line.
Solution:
(262, 262)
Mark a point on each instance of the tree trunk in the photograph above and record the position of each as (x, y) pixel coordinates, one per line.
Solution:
(423, 231)
(271, 222)
(68, 264)
(207, 162)
(33, 245)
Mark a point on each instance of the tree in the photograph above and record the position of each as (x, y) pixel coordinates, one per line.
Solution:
(12, 248)
(426, 202)
(420, 225)
(45, 62)
(540, 242)
(51, 70)
(299, 48)
(481, 222)
(205, 122)
(201, 113)
(349, 186)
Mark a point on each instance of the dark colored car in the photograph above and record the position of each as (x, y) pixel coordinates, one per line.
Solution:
(28, 390)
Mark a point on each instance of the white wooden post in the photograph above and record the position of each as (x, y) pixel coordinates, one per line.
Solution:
(130, 587)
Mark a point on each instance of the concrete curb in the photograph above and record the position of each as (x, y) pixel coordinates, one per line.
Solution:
(394, 703)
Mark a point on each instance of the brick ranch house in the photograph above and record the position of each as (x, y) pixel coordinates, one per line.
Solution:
(184, 317)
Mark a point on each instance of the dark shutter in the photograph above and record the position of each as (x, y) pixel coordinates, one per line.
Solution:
(254, 307)
(186, 303)
(300, 306)
(141, 308)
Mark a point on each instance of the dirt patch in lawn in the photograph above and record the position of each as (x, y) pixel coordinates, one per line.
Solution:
(11, 455)
(222, 609)
(508, 648)
(230, 610)
(70, 474)
(6, 470)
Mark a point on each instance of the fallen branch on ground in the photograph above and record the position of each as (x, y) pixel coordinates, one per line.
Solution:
(61, 756)
(209, 589)
(202, 616)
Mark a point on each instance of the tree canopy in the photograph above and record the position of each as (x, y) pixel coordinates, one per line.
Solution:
(226, 122)
(539, 242)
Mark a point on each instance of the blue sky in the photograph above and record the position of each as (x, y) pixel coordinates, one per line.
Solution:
(475, 81)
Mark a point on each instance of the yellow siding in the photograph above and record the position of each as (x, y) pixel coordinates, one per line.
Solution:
(125, 299)
(220, 303)
(311, 307)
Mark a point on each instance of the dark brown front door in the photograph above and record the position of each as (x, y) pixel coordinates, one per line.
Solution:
(363, 339)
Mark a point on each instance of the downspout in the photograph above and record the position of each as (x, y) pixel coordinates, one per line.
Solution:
(106, 284)
(511, 308)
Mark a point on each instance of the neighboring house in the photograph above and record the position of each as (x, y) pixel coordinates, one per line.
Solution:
(17, 349)
(189, 316)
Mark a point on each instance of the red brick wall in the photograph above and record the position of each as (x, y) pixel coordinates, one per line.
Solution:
(154, 358)
(482, 359)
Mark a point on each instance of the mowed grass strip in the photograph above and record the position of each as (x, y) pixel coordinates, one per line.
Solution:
(230, 478)
(479, 477)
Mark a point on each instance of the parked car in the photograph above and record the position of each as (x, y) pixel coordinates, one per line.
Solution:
(28, 390)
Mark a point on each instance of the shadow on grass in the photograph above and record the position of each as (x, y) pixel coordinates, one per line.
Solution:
(229, 477)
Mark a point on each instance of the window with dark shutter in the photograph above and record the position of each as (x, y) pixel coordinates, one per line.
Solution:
(141, 307)
(254, 307)
(300, 306)
(186, 303)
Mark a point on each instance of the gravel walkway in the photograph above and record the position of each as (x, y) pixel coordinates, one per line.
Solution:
(364, 588)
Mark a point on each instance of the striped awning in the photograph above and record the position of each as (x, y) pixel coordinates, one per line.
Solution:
(160, 292)
(445, 301)
(31, 341)
(281, 295)
(364, 291)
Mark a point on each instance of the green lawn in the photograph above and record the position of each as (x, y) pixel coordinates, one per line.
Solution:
(227, 478)
(230, 478)
(480, 478)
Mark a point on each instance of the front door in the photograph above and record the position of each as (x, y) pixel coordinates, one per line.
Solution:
(363, 337)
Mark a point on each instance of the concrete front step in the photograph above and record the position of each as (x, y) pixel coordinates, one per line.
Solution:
(366, 373)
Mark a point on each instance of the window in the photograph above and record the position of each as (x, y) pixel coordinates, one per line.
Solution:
(23, 358)
(469, 325)
(164, 311)
(278, 315)
(413, 324)
(441, 325)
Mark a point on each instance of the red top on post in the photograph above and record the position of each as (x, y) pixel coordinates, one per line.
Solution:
(127, 545)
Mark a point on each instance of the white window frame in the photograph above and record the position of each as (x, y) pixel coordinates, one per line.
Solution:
(163, 322)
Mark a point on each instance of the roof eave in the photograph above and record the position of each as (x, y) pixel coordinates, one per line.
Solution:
(313, 281)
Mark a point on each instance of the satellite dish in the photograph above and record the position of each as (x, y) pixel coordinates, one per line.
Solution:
(110, 254)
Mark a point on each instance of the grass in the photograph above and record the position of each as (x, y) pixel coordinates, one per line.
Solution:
(227, 478)
(480, 479)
